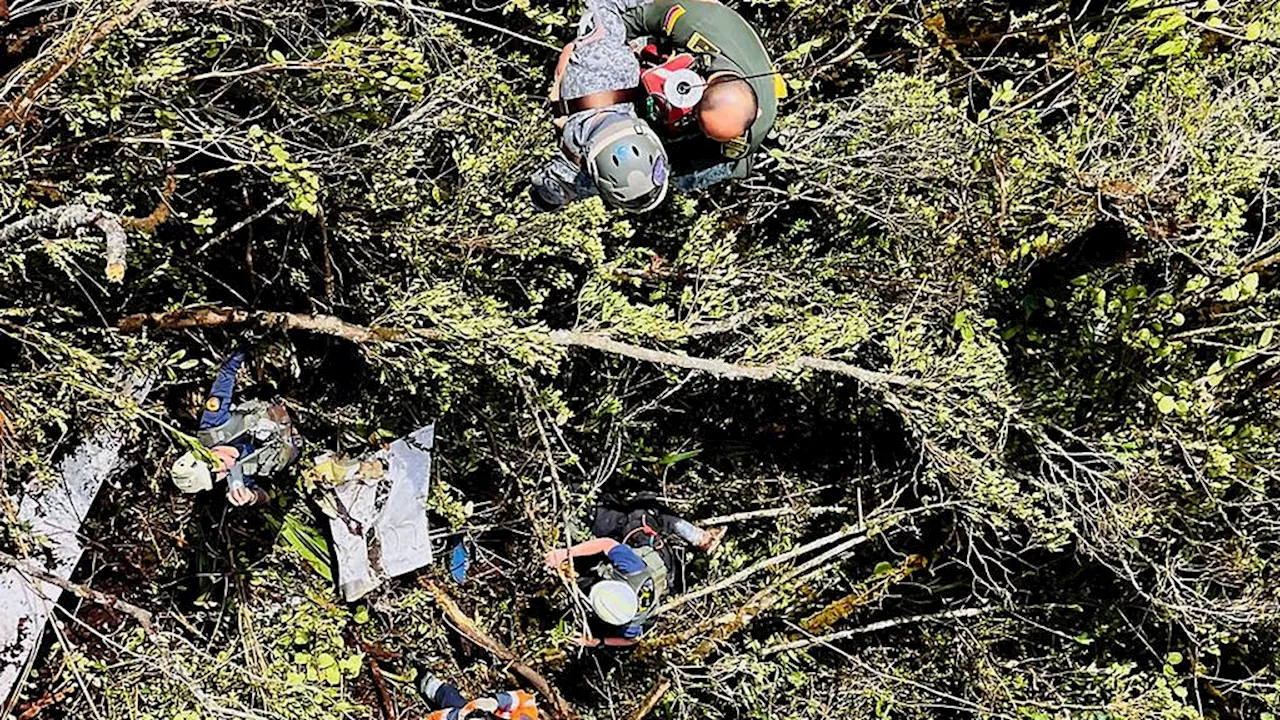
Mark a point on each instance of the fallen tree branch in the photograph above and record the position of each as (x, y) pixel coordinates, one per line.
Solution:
(876, 626)
(873, 589)
(144, 617)
(222, 317)
(771, 513)
(159, 215)
(409, 7)
(874, 522)
(49, 699)
(65, 220)
(259, 69)
(384, 697)
(726, 624)
(330, 325)
(719, 368)
(747, 572)
(18, 109)
(468, 627)
(1247, 327)
(651, 700)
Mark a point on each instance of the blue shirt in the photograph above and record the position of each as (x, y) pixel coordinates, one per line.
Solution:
(217, 410)
(626, 561)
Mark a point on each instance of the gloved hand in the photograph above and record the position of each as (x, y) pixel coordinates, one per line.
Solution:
(241, 496)
(250, 337)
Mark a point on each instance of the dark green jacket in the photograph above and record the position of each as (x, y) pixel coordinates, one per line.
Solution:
(711, 29)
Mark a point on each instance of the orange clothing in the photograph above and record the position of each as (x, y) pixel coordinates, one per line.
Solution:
(515, 705)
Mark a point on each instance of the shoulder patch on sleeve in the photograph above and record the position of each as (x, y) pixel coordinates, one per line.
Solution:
(589, 30)
(212, 404)
(673, 16)
(779, 86)
(699, 43)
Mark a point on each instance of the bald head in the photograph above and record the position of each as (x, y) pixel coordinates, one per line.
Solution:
(727, 109)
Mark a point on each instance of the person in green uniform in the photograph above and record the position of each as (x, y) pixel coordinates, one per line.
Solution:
(739, 103)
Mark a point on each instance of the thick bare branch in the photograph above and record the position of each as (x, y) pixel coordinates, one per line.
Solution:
(719, 368)
(330, 325)
(468, 627)
(143, 617)
(771, 513)
(751, 570)
(18, 109)
(651, 699)
(63, 221)
(226, 317)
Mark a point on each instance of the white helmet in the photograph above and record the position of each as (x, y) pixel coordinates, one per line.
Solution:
(614, 601)
(191, 474)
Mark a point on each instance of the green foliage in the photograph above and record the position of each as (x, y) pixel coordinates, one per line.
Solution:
(1061, 243)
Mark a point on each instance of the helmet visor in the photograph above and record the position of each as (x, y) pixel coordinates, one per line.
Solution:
(643, 203)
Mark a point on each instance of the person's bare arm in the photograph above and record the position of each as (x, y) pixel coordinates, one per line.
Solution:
(561, 64)
(554, 94)
(599, 546)
(587, 641)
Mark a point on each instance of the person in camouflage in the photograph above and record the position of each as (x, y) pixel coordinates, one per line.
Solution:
(606, 148)
(739, 103)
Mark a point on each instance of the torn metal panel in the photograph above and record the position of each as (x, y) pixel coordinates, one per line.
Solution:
(379, 523)
(55, 515)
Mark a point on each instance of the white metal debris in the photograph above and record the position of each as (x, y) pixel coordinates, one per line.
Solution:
(385, 494)
(54, 514)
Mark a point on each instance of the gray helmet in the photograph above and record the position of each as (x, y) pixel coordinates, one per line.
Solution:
(629, 166)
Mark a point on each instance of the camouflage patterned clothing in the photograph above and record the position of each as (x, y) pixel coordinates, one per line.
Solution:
(713, 31)
(601, 61)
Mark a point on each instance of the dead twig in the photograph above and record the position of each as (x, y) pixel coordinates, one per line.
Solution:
(651, 699)
(240, 225)
(144, 617)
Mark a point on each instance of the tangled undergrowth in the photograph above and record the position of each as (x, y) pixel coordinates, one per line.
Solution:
(1012, 268)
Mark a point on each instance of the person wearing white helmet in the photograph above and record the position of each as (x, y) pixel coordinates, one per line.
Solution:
(627, 584)
(241, 443)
